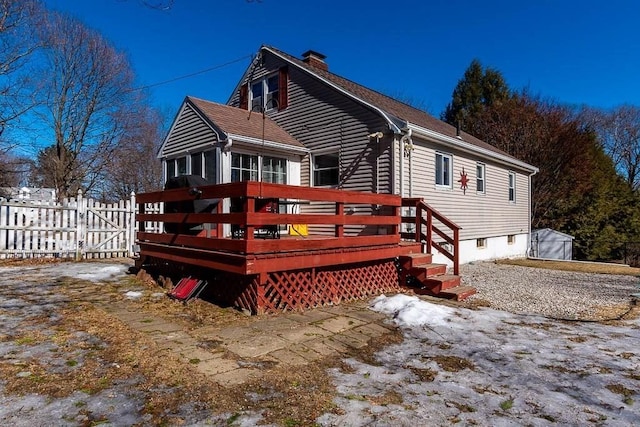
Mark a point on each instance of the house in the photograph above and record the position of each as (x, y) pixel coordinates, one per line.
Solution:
(551, 244)
(28, 193)
(292, 121)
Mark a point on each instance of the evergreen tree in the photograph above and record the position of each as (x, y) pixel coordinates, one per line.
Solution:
(479, 88)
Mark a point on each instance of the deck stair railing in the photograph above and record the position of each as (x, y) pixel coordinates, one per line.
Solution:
(433, 230)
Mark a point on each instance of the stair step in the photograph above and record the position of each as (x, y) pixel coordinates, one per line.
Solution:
(458, 293)
(410, 260)
(437, 284)
(424, 271)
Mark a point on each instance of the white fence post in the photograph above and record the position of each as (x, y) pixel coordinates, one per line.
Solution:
(131, 225)
(81, 225)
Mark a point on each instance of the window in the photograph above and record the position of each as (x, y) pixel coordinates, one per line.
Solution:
(443, 170)
(511, 239)
(181, 165)
(171, 168)
(196, 164)
(481, 243)
(512, 187)
(210, 166)
(274, 170)
(480, 181)
(268, 93)
(265, 93)
(244, 167)
(326, 169)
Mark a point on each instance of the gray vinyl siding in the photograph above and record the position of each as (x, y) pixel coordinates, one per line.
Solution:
(480, 215)
(325, 120)
(190, 133)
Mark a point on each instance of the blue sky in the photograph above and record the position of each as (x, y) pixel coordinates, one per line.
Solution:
(575, 52)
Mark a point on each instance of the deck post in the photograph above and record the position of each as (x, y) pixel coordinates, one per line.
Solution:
(397, 212)
(456, 251)
(340, 212)
(429, 230)
(418, 222)
(219, 225)
(249, 206)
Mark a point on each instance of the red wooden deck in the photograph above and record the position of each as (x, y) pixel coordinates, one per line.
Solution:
(350, 251)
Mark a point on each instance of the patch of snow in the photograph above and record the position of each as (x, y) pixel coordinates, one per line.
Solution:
(133, 294)
(488, 367)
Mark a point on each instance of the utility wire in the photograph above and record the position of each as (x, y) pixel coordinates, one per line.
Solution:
(186, 76)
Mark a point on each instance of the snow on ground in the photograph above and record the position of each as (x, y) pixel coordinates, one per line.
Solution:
(489, 367)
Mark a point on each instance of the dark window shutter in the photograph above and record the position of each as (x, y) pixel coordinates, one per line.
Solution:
(244, 96)
(283, 95)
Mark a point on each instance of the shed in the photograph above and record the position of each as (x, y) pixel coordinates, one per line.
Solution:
(551, 244)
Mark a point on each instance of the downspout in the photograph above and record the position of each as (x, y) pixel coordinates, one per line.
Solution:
(377, 136)
(406, 139)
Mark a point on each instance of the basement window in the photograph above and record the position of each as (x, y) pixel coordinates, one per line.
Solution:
(481, 243)
(511, 239)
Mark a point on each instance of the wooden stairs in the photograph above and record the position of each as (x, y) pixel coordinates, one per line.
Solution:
(419, 273)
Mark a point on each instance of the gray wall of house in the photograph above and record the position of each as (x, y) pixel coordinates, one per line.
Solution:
(324, 119)
(189, 134)
(480, 215)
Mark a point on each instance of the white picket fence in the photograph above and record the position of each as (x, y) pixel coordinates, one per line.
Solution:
(77, 228)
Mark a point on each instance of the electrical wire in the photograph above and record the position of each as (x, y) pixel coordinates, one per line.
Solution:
(186, 76)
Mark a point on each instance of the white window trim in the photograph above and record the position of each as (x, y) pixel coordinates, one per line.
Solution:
(509, 187)
(260, 158)
(313, 169)
(266, 105)
(484, 178)
(444, 186)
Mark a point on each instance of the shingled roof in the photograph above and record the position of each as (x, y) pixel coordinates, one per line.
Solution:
(239, 122)
(392, 107)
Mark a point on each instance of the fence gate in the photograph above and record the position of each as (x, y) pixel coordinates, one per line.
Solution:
(76, 228)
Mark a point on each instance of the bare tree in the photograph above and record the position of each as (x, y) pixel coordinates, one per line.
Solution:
(134, 166)
(17, 44)
(619, 133)
(88, 92)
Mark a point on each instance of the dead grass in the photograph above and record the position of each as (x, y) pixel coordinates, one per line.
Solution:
(284, 396)
(581, 267)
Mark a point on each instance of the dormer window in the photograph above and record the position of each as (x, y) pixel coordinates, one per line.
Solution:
(264, 94)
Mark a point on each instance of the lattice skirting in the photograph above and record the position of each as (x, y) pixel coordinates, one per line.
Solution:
(305, 289)
(299, 289)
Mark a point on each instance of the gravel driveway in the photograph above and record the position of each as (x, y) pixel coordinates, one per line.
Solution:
(552, 293)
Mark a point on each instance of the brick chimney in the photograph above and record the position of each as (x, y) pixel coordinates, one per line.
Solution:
(315, 59)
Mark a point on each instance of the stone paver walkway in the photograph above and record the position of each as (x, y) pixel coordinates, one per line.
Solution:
(234, 354)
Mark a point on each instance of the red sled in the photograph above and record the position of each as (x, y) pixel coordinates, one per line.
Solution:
(187, 288)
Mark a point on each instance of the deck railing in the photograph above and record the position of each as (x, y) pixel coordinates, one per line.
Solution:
(233, 222)
(448, 231)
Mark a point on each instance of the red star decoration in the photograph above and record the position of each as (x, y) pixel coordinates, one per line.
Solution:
(464, 181)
